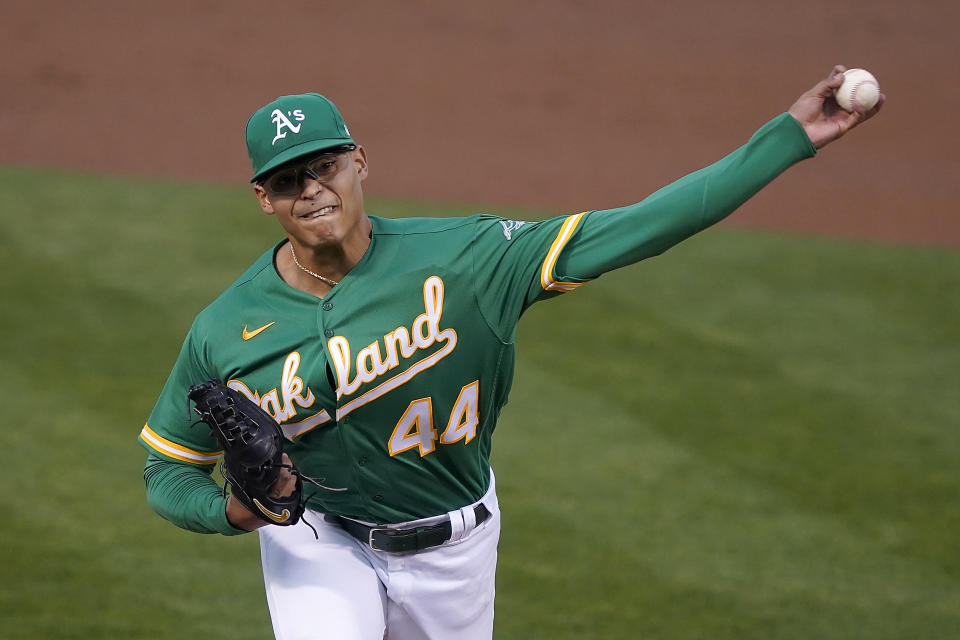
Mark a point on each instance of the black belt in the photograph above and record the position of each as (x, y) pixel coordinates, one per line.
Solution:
(402, 540)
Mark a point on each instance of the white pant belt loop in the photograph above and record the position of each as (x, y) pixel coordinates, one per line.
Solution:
(457, 525)
(469, 519)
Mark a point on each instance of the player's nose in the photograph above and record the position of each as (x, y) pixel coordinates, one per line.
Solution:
(311, 187)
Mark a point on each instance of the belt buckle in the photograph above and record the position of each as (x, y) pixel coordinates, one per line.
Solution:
(372, 531)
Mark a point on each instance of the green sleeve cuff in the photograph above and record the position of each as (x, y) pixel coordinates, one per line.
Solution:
(793, 130)
(223, 525)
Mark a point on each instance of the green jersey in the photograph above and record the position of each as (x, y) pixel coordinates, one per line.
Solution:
(390, 386)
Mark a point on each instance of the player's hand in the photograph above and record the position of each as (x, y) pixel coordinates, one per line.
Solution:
(821, 117)
(286, 482)
(242, 518)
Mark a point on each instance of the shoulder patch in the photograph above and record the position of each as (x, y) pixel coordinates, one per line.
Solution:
(509, 226)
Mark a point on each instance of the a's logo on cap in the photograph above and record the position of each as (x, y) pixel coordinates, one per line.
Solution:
(281, 121)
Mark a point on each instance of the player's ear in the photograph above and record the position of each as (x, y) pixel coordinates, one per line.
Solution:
(360, 160)
(263, 199)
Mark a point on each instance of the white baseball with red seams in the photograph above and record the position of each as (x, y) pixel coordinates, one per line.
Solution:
(859, 85)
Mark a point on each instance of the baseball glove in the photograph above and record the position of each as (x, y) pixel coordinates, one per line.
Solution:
(252, 446)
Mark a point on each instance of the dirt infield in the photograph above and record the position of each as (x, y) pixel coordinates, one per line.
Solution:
(558, 105)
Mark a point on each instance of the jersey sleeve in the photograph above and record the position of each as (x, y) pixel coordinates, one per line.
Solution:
(168, 432)
(519, 263)
(615, 238)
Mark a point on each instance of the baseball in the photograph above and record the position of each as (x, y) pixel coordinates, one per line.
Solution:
(859, 85)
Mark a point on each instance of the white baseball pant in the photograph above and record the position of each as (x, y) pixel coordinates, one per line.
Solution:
(340, 589)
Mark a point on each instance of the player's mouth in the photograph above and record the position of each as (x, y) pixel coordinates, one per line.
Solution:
(318, 213)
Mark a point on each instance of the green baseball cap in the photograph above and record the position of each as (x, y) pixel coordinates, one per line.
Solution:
(290, 127)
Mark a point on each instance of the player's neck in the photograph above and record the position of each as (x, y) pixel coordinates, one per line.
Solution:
(316, 270)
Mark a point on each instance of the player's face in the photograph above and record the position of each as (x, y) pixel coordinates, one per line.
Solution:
(319, 200)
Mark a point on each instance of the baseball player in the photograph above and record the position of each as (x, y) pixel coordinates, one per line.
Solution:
(385, 351)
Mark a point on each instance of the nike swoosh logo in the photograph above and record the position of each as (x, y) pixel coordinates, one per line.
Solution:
(276, 517)
(251, 334)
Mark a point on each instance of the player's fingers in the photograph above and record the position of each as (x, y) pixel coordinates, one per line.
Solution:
(284, 486)
(861, 113)
(835, 79)
(825, 88)
(286, 482)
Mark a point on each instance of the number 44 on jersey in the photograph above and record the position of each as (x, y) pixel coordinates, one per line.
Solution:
(416, 429)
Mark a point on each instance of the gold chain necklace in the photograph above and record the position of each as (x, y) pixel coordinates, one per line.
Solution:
(330, 282)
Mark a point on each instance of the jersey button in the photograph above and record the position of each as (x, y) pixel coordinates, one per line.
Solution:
(329, 333)
(362, 461)
(327, 306)
(378, 498)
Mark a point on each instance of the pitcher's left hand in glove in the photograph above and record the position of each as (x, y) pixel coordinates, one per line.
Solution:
(252, 451)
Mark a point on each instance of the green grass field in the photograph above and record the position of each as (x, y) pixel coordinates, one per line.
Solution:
(753, 436)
